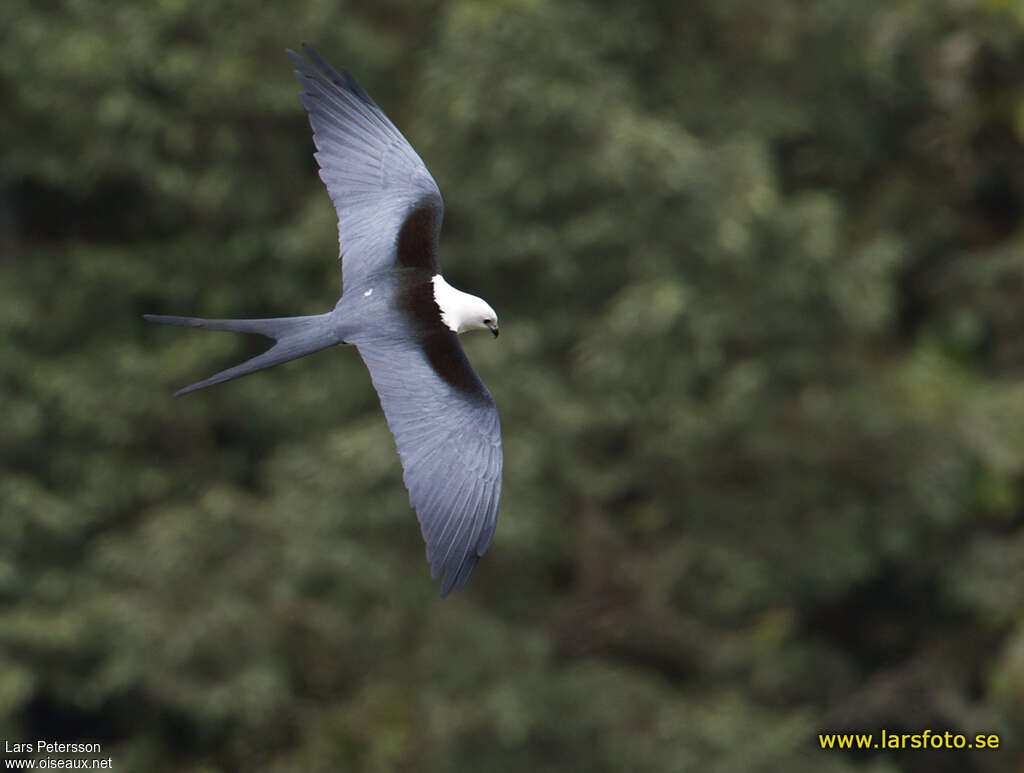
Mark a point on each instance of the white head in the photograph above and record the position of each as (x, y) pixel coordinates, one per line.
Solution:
(461, 311)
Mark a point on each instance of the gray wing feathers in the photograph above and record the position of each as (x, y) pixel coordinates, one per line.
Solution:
(449, 441)
(372, 174)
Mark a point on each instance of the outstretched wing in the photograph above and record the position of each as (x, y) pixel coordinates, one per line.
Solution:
(381, 189)
(449, 439)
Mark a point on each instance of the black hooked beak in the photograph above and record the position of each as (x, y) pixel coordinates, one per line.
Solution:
(493, 327)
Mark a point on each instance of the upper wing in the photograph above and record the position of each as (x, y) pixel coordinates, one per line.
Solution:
(389, 207)
(449, 439)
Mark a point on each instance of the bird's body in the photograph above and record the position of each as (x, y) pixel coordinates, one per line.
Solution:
(401, 315)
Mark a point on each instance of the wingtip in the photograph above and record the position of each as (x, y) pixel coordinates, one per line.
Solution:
(310, 54)
(300, 60)
(455, 578)
(447, 587)
(438, 569)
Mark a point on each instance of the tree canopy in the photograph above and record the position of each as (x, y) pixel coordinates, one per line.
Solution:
(760, 271)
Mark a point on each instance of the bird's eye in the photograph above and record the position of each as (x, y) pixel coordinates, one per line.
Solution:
(488, 321)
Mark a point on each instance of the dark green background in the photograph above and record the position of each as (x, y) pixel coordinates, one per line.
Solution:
(760, 272)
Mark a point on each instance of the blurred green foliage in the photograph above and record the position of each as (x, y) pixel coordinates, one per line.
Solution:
(760, 267)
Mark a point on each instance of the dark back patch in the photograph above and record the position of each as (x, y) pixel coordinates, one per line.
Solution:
(416, 301)
(445, 355)
(417, 239)
(439, 343)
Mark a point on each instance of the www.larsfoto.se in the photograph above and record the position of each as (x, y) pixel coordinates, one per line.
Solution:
(926, 739)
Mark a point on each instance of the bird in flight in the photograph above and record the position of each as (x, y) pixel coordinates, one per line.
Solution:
(402, 317)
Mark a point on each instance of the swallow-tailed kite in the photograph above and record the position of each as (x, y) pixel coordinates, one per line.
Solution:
(401, 315)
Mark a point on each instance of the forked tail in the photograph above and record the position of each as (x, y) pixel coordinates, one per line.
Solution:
(294, 336)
